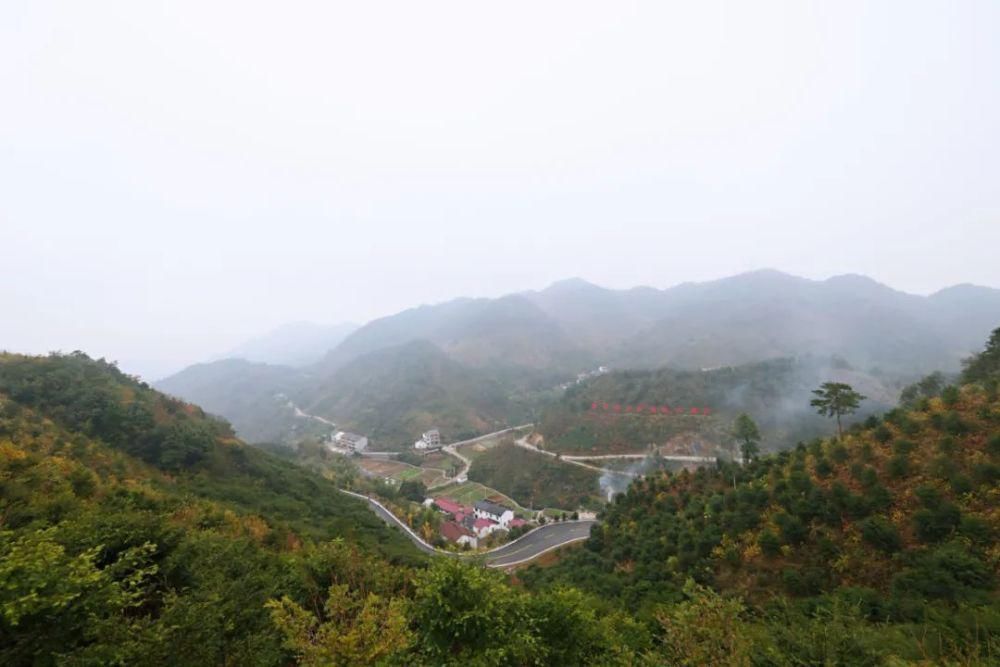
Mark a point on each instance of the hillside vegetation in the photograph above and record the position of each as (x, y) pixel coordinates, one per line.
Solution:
(254, 397)
(775, 392)
(535, 480)
(391, 395)
(134, 530)
(394, 395)
(890, 533)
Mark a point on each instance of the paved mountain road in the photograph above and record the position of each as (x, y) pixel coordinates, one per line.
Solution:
(539, 541)
(527, 547)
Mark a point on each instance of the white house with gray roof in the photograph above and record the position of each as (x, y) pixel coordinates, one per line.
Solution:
(484, 509)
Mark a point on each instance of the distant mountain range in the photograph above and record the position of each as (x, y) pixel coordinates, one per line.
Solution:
(295, 344)
(472, 349)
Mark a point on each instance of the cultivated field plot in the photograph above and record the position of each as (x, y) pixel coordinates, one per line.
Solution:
(399, 471)
(477, 449)
(440, 461)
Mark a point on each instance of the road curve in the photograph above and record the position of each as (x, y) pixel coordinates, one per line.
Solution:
(529, 546)
(539, 541)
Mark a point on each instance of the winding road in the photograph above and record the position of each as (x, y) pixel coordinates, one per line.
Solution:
(452, 449)
(532, 544)
(529, 546)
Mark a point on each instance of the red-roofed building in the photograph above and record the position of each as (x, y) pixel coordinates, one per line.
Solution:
(483, 527)
(458, 534)
(516, 523)
(448, 506)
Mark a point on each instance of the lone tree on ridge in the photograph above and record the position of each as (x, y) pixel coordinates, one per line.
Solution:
(745, 430)
(835, 399)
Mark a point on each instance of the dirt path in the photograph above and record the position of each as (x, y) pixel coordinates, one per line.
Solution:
(524, 444)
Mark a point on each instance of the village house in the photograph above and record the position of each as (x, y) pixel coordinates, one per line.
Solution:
(449, 506)
(350, 441)
(482, 527)
(429, 440)
(459, 534)
(499, 514)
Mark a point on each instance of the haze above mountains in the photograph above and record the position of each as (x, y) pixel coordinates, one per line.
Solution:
(469, 364)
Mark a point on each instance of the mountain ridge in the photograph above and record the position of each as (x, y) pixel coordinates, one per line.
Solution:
(531, 340)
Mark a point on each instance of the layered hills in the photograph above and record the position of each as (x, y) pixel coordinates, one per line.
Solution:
(522, 344)
(294, 344)
(136, 529)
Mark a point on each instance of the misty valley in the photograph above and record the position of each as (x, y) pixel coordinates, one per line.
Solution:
(464, 484)
(552, 334)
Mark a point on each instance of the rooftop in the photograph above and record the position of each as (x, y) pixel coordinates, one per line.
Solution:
(491, 508)
(452, 531)
(448, 505)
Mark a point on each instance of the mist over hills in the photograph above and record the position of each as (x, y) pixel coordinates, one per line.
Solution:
(293, 344)
(475, 355)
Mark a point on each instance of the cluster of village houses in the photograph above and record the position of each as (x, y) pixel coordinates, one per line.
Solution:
(468, 524)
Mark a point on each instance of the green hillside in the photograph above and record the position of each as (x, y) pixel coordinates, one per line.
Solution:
(395, 394)
(776, 393)
(884, 543)
(251, 396)
(134, 529)
(534, 480)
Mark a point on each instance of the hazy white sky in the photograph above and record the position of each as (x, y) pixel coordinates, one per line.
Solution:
(177, 176)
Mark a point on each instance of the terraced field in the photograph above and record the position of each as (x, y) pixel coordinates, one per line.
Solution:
(399, 471)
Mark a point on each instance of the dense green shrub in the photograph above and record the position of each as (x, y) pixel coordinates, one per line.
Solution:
(879, 532)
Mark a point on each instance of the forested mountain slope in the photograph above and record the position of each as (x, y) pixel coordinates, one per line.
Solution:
(254, 397)
(534, 341)
(775, 393)
(395, 394)
(742, 319)
(509, 331)
(896, 525)
(134, 529)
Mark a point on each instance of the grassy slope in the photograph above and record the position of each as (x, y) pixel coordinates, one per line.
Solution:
(535, 480)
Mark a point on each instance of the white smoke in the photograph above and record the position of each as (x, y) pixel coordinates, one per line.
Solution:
(614, 482)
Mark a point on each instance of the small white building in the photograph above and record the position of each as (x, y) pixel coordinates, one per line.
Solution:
(429, 440)
(351, 441)
(484, 509)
